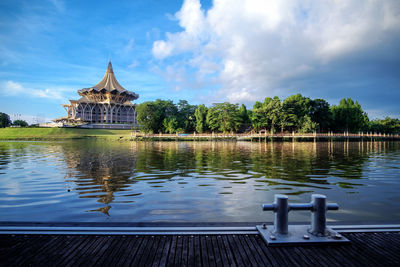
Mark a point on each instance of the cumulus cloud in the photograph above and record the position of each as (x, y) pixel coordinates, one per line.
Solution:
(258, 48)
(11, 88)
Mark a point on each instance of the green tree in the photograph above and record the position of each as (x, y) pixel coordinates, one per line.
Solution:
(258, 117)
(224, 117)
(296, 107)
(243, 114)
(4, 120)
(273, 109)
(321, 114)
(170, 124)
(185, 116)
(147, 116)
(349, 116)
(244, 118)
(387, 125)
(268, 115)
(20, 123)
(201, 118)
(307, 125)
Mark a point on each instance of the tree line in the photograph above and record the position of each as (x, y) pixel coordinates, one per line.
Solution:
(5, 121)
(296, 113)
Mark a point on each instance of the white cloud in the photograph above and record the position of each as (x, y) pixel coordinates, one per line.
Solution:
(162, 49)
(59, 5)
(254, 47)
(133, 64)
(11, 88)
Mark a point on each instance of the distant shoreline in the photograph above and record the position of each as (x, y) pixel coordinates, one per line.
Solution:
(58, 134)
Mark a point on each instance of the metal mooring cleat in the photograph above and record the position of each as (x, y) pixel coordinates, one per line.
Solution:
(285, 234)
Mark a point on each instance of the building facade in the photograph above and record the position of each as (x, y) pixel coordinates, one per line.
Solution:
(106, 102)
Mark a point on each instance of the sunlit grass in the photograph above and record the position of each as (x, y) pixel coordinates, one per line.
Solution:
(59, 133)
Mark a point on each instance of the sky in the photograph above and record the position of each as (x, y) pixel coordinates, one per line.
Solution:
(239, 51)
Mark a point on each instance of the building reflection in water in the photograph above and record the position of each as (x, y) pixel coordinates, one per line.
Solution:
(100, 170)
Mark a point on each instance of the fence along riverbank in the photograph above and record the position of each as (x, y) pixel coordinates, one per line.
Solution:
(264, 136)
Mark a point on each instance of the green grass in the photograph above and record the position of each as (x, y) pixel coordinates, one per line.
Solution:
(61, 133)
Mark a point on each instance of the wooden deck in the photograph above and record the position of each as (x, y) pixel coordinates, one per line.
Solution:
(366, 249)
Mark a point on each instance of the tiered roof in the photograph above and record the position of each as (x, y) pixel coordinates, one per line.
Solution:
(109, 84)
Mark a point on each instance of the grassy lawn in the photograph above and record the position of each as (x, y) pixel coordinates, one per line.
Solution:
(59, 133)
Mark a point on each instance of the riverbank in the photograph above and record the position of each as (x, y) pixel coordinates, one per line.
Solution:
(53, 134)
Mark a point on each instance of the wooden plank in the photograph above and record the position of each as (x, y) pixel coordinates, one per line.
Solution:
(204, 254)
(245, 248)
(359, 248)
(171, 253)
(280, 256)
(288, 253)
(90, 251)
(125, 243)
(228, 250)
(384, 240)
(141, 250)
(222, 251)
(240, 259)
(302, 259)
(197, 251)
(165, 251)
(32, 251)
(319, 255)
(76, 253)
(153, 251)
(82, 250)
(203, 251)
(217, 254)
(346, 254)
(263, 250)
(354, 253)
(25, 244)
(258, 255)
(178, 251)
(58, 249)
(129, 252)
(150, 250)
(47, 250)
(210, 251)
(190, 252)
(35, 251)
(215, 250)
(272, 253)
(105, 244)
(260, 244)
(70, 251)
(185, 251)
(106, 250)
(159, 252)
(115, 248)
(374, 244)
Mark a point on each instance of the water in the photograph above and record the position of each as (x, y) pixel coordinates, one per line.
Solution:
(85, 181)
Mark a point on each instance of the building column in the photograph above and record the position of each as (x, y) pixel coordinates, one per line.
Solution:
(112, 107)
(102, 113)
(91, 112)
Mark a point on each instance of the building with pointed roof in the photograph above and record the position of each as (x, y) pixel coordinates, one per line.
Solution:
(105, 103)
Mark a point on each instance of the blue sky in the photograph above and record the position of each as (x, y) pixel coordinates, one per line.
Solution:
(201, 51)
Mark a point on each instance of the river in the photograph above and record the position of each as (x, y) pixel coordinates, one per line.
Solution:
(98, 181)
